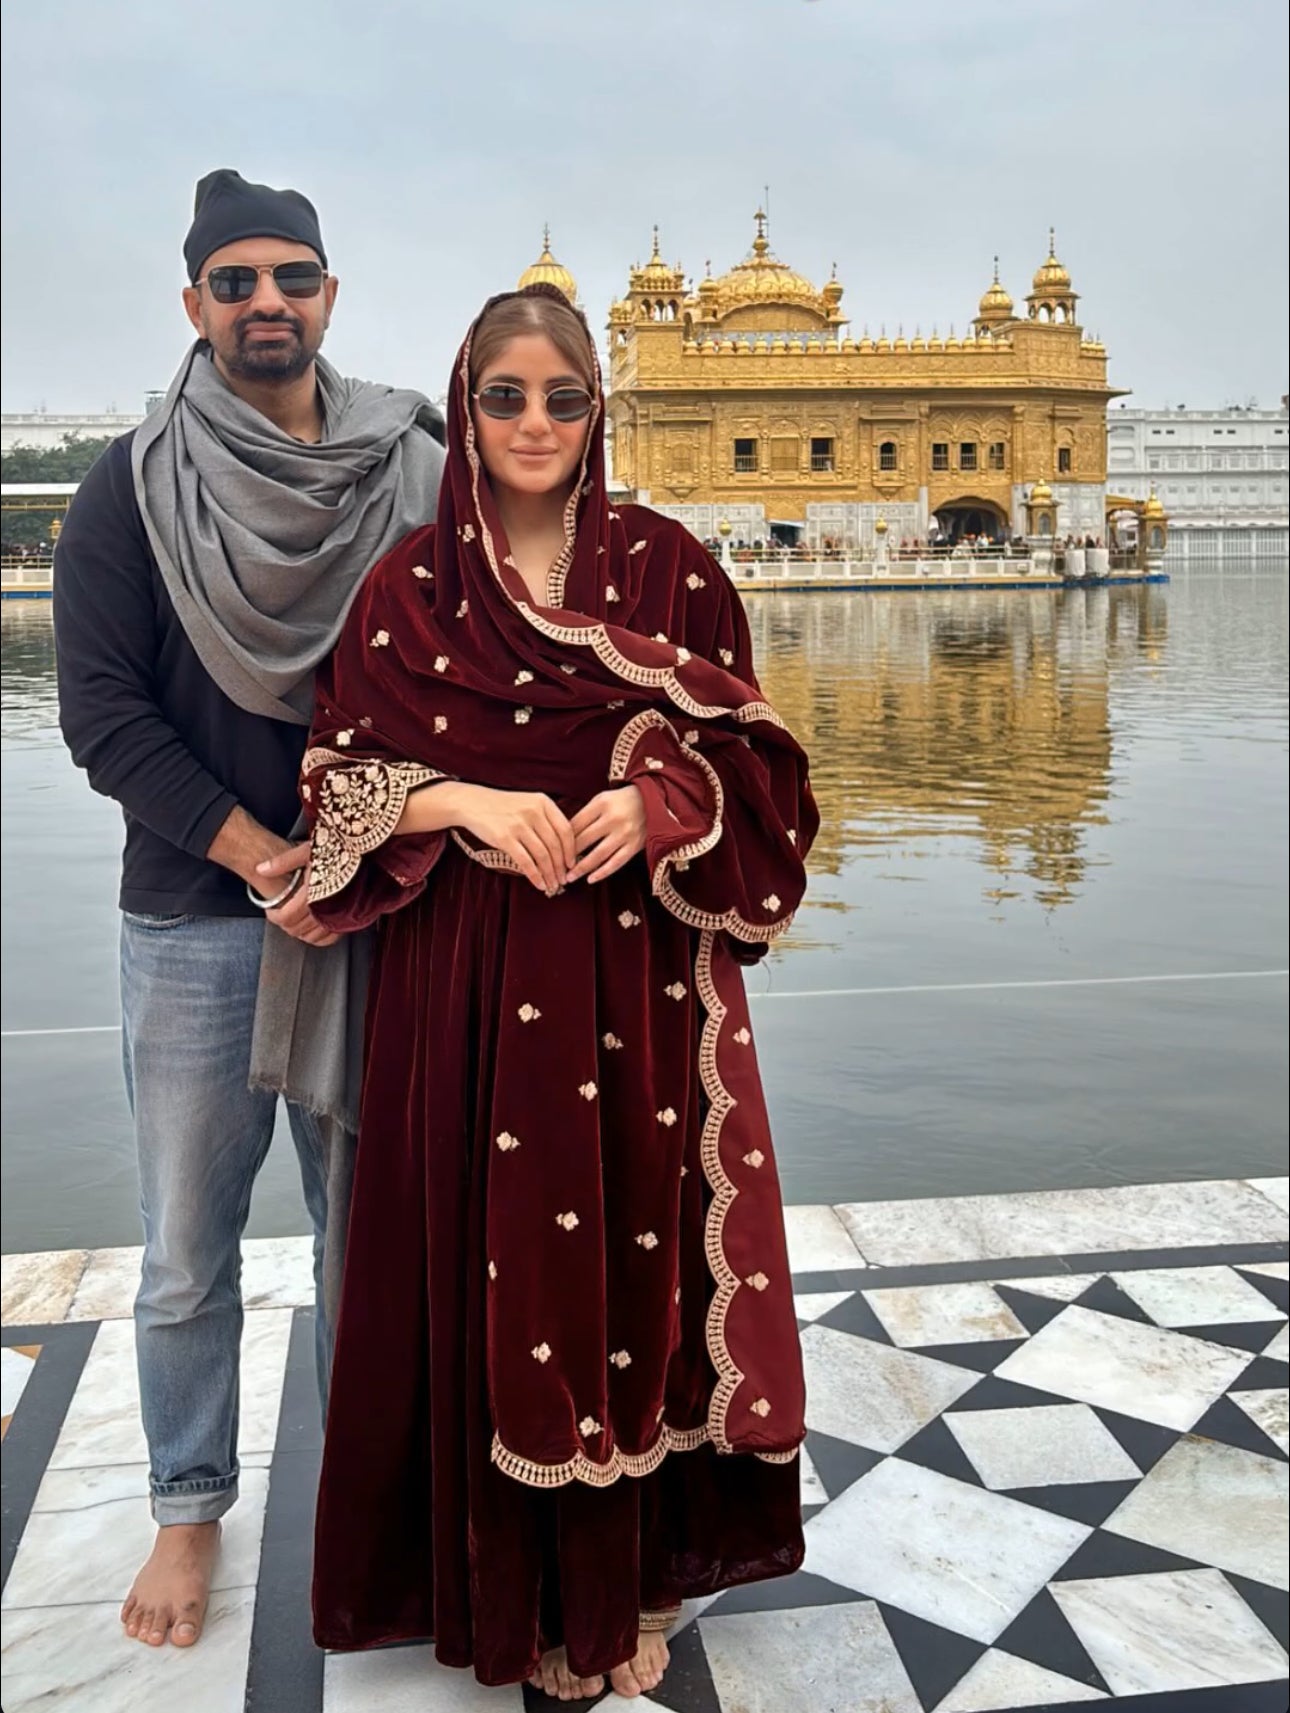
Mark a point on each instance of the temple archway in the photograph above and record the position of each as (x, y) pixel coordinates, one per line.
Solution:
(970, 515)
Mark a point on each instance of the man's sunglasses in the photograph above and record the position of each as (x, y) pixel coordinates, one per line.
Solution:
(235, 282)
(506, 401)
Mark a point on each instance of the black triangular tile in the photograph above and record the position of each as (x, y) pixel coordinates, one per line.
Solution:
(1268, 1605)
(935, 1447)
(935, 1658)
(855, 1315)
(1107, 1297)
(1104, 1554)
(780, 1594)
(1042, 1635)
(1082, 1501)
(838, 1463)
(1228, 1423)
(1034, 1312)
(1264, 1374)
(994, 1393)
(688, 1685)
(1145, 1442)
(1277, 1291)
(809, 1511)
(984, 1356)
(1239, 1335)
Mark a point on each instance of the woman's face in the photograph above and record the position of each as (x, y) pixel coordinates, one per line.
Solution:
(531, 453)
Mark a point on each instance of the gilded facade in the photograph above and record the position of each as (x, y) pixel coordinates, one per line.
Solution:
(747, 399)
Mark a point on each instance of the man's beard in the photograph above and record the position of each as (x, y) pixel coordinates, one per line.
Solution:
(284, 360)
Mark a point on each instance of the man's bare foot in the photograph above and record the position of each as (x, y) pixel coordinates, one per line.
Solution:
(645, 1671)
(553, 1675)
(171, 1591)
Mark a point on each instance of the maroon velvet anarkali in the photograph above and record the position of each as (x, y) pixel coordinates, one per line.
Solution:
(567, 1385)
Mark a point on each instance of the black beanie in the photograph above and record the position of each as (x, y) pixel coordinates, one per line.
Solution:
(227, 208)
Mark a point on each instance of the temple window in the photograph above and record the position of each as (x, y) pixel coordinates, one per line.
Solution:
(783, 455)
(998, 455)
(746, 456)
(940, 455)
(821, 454)
(1064, 460)
(888, 458)
(967, 455)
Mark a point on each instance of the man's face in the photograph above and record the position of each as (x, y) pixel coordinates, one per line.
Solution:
(268, 336)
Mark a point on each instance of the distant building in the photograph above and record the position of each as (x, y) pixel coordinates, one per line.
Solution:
(46, 429)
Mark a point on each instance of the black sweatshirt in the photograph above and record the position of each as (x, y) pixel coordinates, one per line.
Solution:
(144, 718)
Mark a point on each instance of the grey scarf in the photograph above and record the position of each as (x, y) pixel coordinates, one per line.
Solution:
(263, 542)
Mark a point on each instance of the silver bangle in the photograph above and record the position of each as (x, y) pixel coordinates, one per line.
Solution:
(293, 886)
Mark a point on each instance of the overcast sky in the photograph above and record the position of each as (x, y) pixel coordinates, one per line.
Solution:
(908, 143)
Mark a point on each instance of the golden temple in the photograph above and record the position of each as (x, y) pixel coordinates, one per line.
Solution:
(747, 399)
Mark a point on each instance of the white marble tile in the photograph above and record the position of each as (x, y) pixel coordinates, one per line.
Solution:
(36, 1289)
(410, 1680)
(950, 1553)
(55, 1662)
(265, 1338)
(806, 1660)
(1215, 1503)
(810, 1305)
(108, 1285)
(1142, 1371)
(1174, 1630)
(818, 1241)
(873, 1395)
(1000, 1680)
(1062, 1287)
(70, 1557)
(1061, 1222)
(1268, 1410)
(17, 1365)
(85, 1489)
(1277, 1190)
(1269, 1269)
(1051, 1445)
(1195, 1296)
(814, 1492)
(944, 1314)
(277, 1273)
(1278, 1346)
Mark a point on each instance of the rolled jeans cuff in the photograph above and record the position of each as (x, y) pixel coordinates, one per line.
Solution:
(193, 1501)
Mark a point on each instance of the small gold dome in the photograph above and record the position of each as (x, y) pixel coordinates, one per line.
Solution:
(1041, 494)
(1052, 276)
(995, 304)
(547, 271)
(832, 292)
(1153, 507)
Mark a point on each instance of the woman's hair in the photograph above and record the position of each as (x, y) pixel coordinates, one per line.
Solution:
(540, 310)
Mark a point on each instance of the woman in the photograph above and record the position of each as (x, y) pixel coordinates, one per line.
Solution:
(567, 1390)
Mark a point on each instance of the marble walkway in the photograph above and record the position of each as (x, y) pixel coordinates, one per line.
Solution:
(1046, 1468)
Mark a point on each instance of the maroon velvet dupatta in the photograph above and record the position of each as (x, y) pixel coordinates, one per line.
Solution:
(564, 1157)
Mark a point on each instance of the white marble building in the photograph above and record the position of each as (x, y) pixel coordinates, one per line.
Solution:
(46, 429)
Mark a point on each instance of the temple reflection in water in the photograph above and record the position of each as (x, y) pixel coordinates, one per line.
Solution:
(948, 714)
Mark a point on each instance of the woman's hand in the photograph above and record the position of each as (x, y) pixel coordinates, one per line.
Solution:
(610, 831)
(525, 825)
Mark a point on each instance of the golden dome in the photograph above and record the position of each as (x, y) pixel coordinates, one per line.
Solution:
(995, 304)
(832, 292)
(762, 278)
(547, 271)
(657, 276)
(1153, 507)
(1041, 494)
(1051, 276)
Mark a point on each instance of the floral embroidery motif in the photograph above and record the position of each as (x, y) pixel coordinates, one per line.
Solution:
(771, 903)
(614, 516)
(727, 658)
(467, 532)
(760, 1407)
(758, 1281)
(685, 1171)
(676, 1295)
(441, 662)
(463, 609)
(381, 639)
(359, 805)
(306, 791)
(492, 1269)
(667, 1116)
(509, 561)
(682, 655)
(569, 669)
(344, 739)
(611, 1042)
(542, 1352)
(660, 636)
(569, 1221)
(615, 704)
(587, 1426)
(523, 716)
(441, 722)
(792, 835)
(755, 1159)
(676, 991)
(366, 722)
(654, 764)
(636, 547)
(743, 1037)
(611, 594)
(588, 1091)
(528, 1013)
(691, 736)
(621, 1359)
(647, 1240)
(694, 581)
(420, 571)
(627, 920)
(523, 677)
(506, 1141)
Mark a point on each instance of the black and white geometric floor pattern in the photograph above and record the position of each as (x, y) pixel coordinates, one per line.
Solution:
(1049, 1484)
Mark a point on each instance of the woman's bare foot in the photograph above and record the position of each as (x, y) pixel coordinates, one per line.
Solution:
(553, 1675)
(171, 1591)
(645, 1671)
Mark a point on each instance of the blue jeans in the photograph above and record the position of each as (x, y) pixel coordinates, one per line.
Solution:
(188, 986)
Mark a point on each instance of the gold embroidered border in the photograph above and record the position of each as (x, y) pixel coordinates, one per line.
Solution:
(582, 1468)
(720, 1104)
(337, 849)
(650, 1622)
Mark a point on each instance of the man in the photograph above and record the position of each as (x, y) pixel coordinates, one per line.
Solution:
(205, 568)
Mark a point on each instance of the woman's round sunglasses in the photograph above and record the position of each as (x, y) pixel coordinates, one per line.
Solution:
(507, 401)
(235, 282)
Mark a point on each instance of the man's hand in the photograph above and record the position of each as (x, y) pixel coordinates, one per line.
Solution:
(294, 917)
(609, 831)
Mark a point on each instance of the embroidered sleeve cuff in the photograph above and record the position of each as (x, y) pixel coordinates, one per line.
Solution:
(355, 806)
